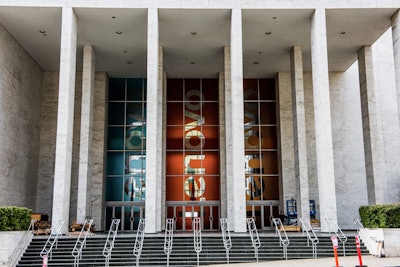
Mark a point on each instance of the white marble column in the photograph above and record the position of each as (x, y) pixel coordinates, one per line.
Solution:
(154, 125)
(322, 112)
(65, 118)
(299, 133)
(372, 134)
(396, 52)
(222, 138)
(88, 75)
(235, 132)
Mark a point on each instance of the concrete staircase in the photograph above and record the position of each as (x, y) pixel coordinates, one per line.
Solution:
(183, 254)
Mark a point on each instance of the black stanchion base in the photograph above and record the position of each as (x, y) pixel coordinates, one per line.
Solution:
(361, 265)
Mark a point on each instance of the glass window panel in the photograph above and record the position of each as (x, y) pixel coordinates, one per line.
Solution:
(268, 114)
(251, 113)
(115, 139)
(174, 188)
(250, 88)
(194, 138)
(252, 162)
(115, 163)
(114, 188)
(175, 90)
(211, 137)
(135, 163)
(210, 89)
(211, 187)
(134, 89)
(116, 89)
(135, 138)
(134, 188)
(192, 85)
(251, 137)
(210, 113)
(268, 137)
(211, 162)
(194, 163)
(267, 89)
(271, 186)
(134, 114)
(175, 137)
(116, 113)
(254, 187)
(174, 163)
(269, 162)
(174, 113)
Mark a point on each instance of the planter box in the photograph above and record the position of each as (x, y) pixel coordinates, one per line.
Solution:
(9, 241)
(388, 239)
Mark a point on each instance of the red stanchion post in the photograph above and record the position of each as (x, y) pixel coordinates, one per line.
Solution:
(44, 260)
(335, 247)
(359, 252)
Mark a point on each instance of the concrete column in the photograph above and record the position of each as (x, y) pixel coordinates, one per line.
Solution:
(299, 133)
(65, 118)
(372, 134)
(235, 137)
(323, 127)
(396, 52)
(222, 138)
(154, 126)
(88, 75)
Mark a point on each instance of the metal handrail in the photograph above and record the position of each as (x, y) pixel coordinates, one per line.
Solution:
(51, 240)
(372, 243)
(137, 249)
(81, 241)
(22, 244)
(197, 237)
(338, 232)
(283, 241)
(255, 240)
(169, 237)
(226, 236)
(109, 245)
(306, 226)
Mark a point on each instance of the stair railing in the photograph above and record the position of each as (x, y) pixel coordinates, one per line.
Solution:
(169, 237)
(334, 228)
(255, 240)
(226, 236)
(109, 245)
(51, 240)
(137, 249)
(81, 241)
(22, 244)
(311, 236)
(197, 237)
(371, 242)
(283, 240)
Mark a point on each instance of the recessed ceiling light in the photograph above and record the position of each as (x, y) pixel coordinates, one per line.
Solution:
(129, 62)
(259, 52)
(125, 51)
(268, 33)
(255, 62)
(192, 62)
(118, 32)
(114, 17)
(193, 33)
(274, 17)
(42, 31)
(342, 33)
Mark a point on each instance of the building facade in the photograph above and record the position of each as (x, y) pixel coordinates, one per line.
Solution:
(211, 109)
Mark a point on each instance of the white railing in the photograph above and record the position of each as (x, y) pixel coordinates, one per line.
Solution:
(184, 211)
(23, 243)
(334, 227)
(47, 250)
(283, 240)
(255, 240)
(311, 236)
(226, 237)
(137, 249)
(169, 237)
(81, 241)
(261, 209)
(109, 245)
(371, 242)
(197, 237)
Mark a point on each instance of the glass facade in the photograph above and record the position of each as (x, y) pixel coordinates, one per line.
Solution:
(126, 146)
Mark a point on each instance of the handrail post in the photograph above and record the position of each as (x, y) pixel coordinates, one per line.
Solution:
(306, 226)
(169, 236)
(197, 237)
(255, 240)
(109, 244)
(23, 243)
(226, 236)
(284, 242)
(53, 238)
(80, 244)
(338, 232)
(137, 250)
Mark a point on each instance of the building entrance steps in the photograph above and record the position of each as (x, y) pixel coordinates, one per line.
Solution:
(183, 253)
